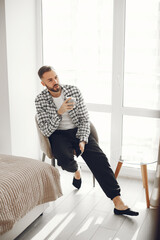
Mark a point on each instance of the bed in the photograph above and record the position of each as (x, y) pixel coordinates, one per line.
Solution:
(26, 187)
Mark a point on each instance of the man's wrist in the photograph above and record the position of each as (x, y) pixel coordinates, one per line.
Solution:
(83, 139)
(59, 113)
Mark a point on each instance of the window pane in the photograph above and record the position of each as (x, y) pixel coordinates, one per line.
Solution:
(140, 139)
(77, 42)
(142, 54)
(102, 123)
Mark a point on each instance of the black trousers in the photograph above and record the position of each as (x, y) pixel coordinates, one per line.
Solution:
(64, 142)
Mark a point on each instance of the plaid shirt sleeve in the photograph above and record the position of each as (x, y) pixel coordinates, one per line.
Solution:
(48, 120)
(83, 119)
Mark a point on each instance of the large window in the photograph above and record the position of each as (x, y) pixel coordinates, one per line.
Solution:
(140, 138)
(110, 49)
(142, 54)
(77, 42)
(142, 79)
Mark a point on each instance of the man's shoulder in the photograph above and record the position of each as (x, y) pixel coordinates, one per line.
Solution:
(70, 88)
(42, 95)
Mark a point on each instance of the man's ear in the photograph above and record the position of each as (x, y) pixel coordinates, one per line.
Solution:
(43, 83)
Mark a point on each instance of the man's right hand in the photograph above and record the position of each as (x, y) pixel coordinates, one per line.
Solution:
(66, 106)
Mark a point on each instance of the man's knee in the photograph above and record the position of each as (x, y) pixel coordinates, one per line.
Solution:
(71, 166)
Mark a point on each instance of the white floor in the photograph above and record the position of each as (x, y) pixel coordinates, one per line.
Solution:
(87, 214)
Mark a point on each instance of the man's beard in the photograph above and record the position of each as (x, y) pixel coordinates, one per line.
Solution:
(55, 90)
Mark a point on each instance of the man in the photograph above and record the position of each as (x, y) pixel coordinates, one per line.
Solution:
(67, 126)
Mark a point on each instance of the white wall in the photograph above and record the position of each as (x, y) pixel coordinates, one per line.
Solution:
(22, 75)
(5, 131)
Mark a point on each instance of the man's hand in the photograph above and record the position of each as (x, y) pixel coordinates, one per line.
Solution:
(66, 106)
(82, 146)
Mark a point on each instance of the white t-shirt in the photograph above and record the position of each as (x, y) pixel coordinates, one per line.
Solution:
(66, 122)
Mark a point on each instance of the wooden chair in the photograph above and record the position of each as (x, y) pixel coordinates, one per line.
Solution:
(46, 147)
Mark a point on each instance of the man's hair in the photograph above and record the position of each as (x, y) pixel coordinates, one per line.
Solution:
(44, 69)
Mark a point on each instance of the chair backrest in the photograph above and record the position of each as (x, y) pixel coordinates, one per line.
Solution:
(45, 144)
(94, 132)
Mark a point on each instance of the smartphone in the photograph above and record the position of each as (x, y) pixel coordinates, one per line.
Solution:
(72, 100)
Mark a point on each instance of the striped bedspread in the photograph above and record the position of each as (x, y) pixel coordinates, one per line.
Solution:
(24, 184)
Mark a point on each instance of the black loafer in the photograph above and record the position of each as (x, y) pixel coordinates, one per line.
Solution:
(128, 212)
(77, 182)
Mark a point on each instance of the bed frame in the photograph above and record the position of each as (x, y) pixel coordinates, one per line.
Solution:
(24, 222)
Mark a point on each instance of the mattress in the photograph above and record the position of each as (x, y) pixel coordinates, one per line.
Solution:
(24, 184)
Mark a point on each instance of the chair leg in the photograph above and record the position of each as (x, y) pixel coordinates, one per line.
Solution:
(142, 172)
(93, 181)
(43, 157)
(118, 168)
(145, 182)
(53, 162)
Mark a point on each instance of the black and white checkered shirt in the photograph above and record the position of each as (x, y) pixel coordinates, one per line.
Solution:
(48, 118)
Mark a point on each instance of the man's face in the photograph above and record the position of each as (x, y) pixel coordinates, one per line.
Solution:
(51, 81)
